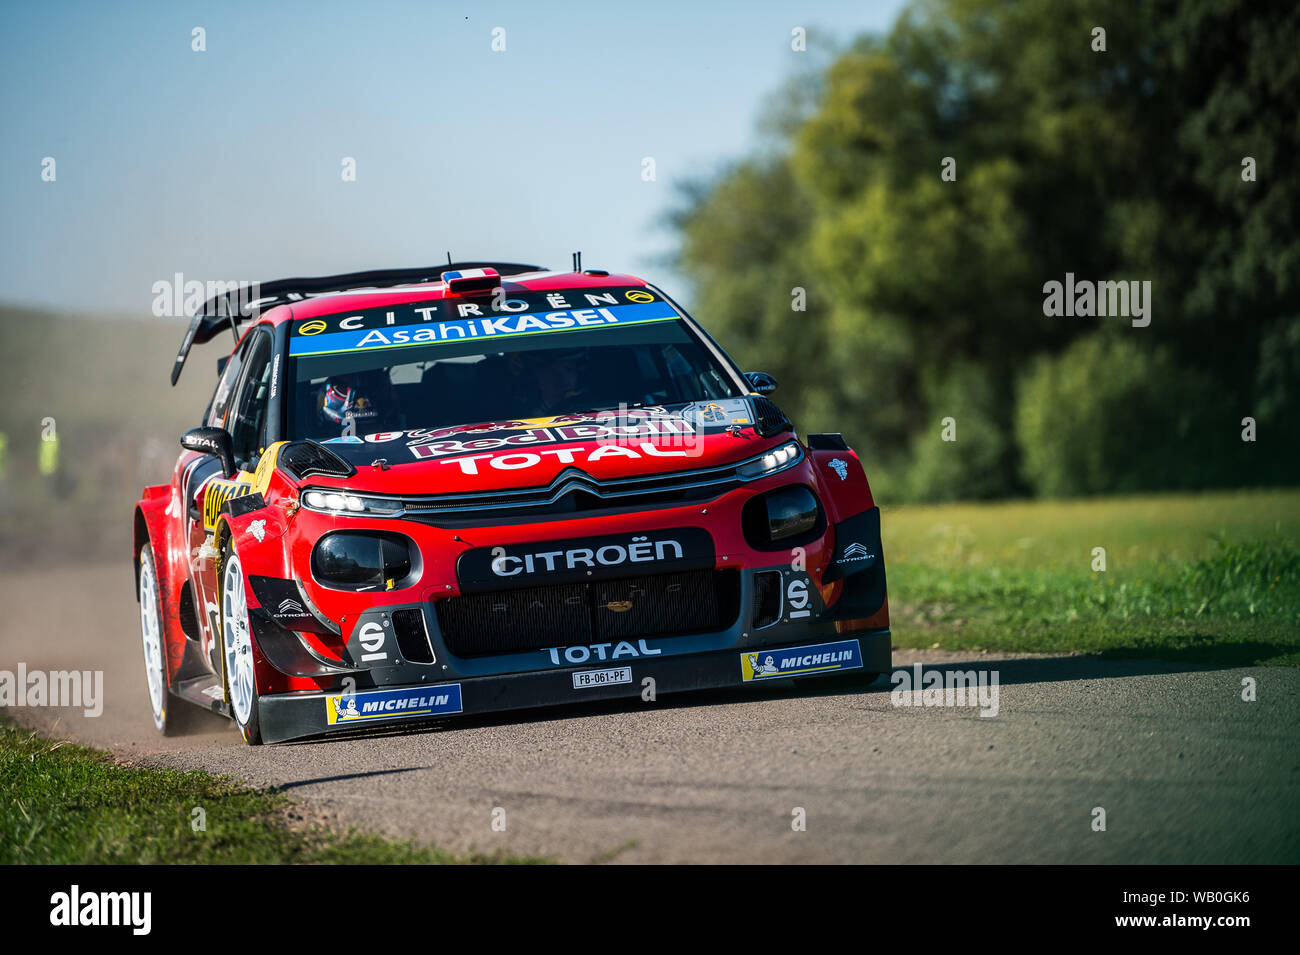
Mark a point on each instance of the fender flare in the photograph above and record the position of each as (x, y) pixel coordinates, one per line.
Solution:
(152, 526)
(840, 477)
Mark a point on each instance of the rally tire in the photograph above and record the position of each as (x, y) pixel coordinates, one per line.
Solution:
(237, 673)
(155, 643)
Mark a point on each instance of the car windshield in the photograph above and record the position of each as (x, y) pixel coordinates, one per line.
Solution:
(425, 366)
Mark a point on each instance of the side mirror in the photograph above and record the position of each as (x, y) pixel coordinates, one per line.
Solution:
(214, 441)
(761, 382)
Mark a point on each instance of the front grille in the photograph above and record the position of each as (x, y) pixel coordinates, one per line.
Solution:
(657, 606)
(533, 618)
(511, 621)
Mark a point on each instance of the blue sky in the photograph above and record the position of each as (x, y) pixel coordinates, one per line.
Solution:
(225, 164)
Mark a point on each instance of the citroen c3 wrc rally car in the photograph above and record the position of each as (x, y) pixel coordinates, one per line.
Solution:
(427, 492)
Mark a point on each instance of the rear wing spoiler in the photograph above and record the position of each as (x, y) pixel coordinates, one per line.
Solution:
(235, 305)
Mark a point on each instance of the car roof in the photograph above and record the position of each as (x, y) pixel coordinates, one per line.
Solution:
(305, 297)
(332, 303)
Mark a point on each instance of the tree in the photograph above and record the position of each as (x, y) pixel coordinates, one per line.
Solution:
(926, 291)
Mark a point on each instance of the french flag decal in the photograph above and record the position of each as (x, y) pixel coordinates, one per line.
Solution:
(460, 276)
(460, 281)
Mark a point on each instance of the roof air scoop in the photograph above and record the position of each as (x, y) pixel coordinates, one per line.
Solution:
(471, 281)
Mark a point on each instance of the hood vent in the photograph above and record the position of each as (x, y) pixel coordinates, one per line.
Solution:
(307, 457)
(769, 419)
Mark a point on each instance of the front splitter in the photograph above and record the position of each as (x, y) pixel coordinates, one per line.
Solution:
(288, 716)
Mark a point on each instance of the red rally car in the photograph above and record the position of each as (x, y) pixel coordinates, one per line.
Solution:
(428, 492)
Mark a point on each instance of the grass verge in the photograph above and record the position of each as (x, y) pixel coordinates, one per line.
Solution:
(1212, 578)
(63, 804)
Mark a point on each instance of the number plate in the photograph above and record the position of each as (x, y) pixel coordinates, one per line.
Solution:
(586, 679)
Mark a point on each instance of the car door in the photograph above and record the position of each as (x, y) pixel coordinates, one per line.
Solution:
(241, 410)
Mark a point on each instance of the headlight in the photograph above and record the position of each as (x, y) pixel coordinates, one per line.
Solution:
(778, 517)
(340, 502)
(778, 459)
(352, 560)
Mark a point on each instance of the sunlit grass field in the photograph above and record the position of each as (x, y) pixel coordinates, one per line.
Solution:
(1209, 577)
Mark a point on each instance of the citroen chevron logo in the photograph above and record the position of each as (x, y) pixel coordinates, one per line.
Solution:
(856, 551)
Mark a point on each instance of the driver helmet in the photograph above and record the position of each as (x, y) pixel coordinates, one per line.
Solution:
(365, 398)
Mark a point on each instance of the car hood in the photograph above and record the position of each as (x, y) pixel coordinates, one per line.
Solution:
(526, 453)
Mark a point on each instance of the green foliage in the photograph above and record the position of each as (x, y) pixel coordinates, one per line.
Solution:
(1108, 414)
(976, 464)
(1242, 580)
(1276, 401)
(1123, 164)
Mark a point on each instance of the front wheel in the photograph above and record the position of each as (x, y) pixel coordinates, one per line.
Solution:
(151, 631)
(237, 650)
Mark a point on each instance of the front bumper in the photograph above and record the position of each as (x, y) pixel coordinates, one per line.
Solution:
(407, 661)
(287, 716)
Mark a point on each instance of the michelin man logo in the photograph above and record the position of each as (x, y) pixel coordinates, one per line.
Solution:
(767, 666)
(345, 708)
(840, 467)
(258, 530)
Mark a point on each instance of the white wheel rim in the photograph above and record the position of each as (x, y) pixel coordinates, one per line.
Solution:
(151, 632)
(238, 642)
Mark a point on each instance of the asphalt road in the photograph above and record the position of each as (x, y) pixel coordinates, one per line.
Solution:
(1185, 770)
